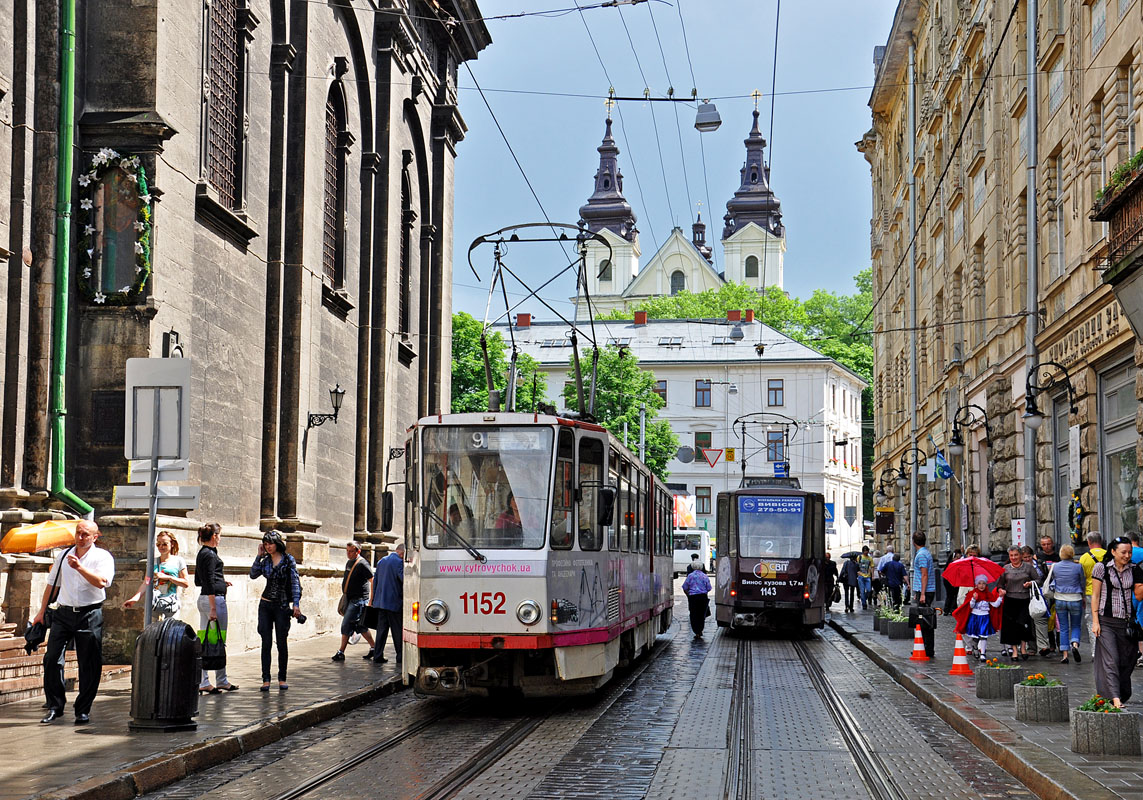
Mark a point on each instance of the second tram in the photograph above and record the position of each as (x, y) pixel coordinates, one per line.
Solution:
(771, 556)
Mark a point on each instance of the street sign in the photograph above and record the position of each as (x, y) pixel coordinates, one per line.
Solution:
(781, 469)
(730, 453)
(711, 455)
(829, 514)
(685, 454)
(850, 514)
(170, 469)
(1018, 533)
(182, 497)
(158, 396)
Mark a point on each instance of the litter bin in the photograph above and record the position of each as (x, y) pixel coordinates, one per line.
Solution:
(927, 618)
(165, 674)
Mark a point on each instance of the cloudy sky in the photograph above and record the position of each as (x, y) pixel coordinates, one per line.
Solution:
(546, 87)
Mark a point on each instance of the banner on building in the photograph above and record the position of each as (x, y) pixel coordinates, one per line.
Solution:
(684, 511)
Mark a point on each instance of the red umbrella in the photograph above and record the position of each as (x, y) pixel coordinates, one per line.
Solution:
(963, 571)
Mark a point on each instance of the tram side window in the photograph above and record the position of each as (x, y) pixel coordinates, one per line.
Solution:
(817, 535)
(412, 513)
(562, 493)
(613, 528)
(642, 505)
(590, 476)
(724, 527)
(625, 507)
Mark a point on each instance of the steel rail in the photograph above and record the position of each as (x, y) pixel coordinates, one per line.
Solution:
(737, 781)
(874, 773)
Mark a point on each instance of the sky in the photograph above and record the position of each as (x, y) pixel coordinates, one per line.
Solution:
(822, 84)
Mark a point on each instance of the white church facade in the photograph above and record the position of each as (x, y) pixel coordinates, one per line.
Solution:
(753, 239)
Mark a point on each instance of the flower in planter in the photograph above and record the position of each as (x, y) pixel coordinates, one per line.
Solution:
(997, 664)
(1099, 704)
(1039, 680)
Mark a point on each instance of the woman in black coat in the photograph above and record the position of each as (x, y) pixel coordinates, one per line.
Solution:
(848, 579)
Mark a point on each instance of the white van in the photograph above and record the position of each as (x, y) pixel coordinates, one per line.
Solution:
(688, 541)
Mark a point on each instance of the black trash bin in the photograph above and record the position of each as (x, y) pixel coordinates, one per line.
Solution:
(164, 677)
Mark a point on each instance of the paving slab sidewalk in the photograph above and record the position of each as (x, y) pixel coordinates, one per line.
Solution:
(1036, 753)
(104, 760)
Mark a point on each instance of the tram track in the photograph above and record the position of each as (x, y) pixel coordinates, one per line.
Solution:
(873, 771)
(737, 781)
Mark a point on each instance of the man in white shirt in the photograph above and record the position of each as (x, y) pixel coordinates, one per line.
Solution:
(84, 573)
(885, 559)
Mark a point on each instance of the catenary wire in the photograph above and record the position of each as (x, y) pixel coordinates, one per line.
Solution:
(674, 107)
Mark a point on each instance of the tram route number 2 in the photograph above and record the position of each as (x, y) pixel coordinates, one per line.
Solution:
(484, 602)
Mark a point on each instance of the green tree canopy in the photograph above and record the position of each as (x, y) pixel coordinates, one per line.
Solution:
(621, 386)
(469, 390)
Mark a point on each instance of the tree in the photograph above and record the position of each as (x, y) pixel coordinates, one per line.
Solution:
(469, 389)
(621, 386)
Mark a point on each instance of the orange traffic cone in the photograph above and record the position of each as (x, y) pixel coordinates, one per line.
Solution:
(960, 659)
(918, 646)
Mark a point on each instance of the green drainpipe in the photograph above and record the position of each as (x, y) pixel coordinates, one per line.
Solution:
(65, 165)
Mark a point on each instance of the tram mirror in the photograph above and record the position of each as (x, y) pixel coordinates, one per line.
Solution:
(606, 505)
(387, 511)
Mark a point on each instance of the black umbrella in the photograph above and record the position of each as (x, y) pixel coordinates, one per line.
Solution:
(34, 636)
(851, 554)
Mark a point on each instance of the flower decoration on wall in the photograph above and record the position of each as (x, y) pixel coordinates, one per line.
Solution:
(113, 221)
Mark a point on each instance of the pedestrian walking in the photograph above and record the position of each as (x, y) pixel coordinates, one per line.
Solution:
(355, 595)
(1066, 581)
(1095, 554)
(849, 581)
(1039, 630)
(279, 604)
(1047, 641)
(979, 616)
(924, 571)
(952, 593)
(83, 572)
(1114, 584)
(210, 578)
(878, 579)
(829, 572)
(894, 573)
(696, 563)
(389, 599)
(1016, 624)
(864, 576)
(697, 589)
(169, 578)
(885, 559)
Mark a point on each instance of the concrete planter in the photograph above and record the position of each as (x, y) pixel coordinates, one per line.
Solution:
(876, 622)
(900, 630)
(996, 683)
(1041, 703)
(1105, 734)
(884, 627)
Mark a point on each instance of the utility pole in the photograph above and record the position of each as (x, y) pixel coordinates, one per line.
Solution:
(1031, 319)
(914, 392)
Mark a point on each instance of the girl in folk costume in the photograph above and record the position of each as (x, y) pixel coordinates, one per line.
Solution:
(978, 617)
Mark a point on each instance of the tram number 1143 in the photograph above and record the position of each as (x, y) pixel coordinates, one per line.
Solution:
(483, 603)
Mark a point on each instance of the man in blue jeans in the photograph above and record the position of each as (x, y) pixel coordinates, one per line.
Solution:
(865, 576)
(355, 587)
(924, 587)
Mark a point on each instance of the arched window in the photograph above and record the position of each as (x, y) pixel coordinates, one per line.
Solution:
(228, 32)
(333, 207)
(408, 217)
(752, 266)
(605, 270)
(678, 281)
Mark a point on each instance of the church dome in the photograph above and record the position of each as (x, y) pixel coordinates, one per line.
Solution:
(754, 201)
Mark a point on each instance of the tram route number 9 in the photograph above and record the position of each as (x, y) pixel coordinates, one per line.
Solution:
(484, 602)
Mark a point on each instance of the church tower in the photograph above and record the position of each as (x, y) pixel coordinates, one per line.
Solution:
(754, 238)
(607, 212)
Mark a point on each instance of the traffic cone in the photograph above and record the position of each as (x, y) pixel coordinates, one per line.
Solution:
(960, 659)
(918, 647)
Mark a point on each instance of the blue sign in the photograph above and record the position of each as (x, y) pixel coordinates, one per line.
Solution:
(781, 469)
(829, 513)
(771, 505)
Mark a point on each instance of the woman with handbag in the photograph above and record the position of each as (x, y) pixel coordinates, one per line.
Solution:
(209, 576)
(1016, 625)
(1066, 583)
(170, 576)
(1117, 634)
(281, 600)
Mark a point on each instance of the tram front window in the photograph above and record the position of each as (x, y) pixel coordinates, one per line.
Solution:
(491, 486)
(770, 527)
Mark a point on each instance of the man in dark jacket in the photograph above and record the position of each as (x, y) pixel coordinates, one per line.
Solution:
(388, 597)
(894, 572)
(849, 572)
(830, 574)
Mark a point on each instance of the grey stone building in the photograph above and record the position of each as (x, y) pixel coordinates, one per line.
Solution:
(265, 186)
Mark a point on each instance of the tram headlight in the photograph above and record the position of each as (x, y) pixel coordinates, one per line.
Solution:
(436, 612)
(529, 612)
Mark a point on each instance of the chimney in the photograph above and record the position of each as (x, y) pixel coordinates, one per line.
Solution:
(750, 315)
(640, 317)
(734, 316)
(523, 320)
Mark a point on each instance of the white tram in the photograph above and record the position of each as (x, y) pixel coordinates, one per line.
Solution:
(538, 555)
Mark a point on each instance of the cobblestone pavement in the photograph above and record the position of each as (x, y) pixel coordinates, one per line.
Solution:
(1122, 777)
(662, 733)
(31, 763)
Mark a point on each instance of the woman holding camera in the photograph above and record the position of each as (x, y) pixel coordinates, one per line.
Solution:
(280, 600)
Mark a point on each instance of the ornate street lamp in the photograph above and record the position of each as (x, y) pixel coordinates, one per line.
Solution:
(1041, 379)
(336, 396)
(911, 457)
(963, 418)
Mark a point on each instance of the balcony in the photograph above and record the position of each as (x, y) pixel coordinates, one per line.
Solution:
(1121, 206)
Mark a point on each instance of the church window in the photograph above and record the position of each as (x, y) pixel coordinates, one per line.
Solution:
(605, 270)
(228, 28)
(408, 216)
(678, 281)
(333, 206)
(754, 174)
(752, 266)
(606, 181)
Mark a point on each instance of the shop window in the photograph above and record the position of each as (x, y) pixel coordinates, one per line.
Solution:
(1120, 474)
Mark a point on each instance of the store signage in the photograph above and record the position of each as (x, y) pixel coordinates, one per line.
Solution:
(1088, 336)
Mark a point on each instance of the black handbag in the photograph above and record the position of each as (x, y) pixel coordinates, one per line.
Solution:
(213, 653)
(836, 596)
(49, 612)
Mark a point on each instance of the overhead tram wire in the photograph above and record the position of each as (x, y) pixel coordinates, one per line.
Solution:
(551, 13)
(773, 85)
(622, 128)
(948, 164)
(702, 145)
(678, 125)
(654, 120)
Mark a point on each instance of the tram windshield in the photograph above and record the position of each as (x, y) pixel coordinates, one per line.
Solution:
(770, 527)
(491, 485)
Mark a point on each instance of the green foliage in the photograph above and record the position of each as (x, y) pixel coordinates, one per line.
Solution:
(1099, 703)
(621, 386)
(469, 390)
(1119, 177)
